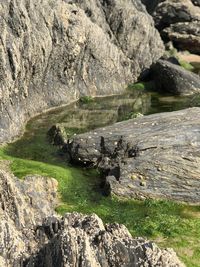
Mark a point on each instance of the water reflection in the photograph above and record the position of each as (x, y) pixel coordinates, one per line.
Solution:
(103, 111)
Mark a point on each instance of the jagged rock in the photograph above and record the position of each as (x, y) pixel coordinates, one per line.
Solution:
(153, 156)
(31, 235)
(51, 52)
(84, 241)
(23, 206)
(171, 78)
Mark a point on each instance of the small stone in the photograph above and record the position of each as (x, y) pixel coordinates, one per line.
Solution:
(142, 183)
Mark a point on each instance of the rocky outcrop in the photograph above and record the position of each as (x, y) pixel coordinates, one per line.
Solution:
(23, 206)
(185, 36)
(85, 241)
(31, 235)
(155, 156)
(177, 21)
(171, 78)
(52, 52)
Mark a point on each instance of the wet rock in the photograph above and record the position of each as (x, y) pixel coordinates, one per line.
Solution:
(53, 52)
(160, 151)
(171, 78)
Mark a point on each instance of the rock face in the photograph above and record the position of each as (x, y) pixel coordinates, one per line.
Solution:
(31, 235)
(178, 21)
(171, 78)
(153, 156)
(51, 52)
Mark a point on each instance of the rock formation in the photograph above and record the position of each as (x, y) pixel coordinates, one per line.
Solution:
(153, 156)
(23, 206)
(51, 52)
(31, 235)
(86, 242)
(171, 78)
(178, 21)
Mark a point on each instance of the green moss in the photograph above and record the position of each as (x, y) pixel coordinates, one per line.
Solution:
(168, 223)
(186, 65)
(142, 86)
(86, 99)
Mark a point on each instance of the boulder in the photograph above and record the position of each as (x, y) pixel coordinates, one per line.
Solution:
(185, 36)
(155, 156)
(53, 52)
(174, 79)
(177, 21)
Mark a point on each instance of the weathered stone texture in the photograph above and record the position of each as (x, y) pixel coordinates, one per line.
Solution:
(155, 156)
(51, 52)
(31, 235)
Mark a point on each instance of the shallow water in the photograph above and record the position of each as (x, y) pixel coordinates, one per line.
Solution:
(79, 188)
(83, 116)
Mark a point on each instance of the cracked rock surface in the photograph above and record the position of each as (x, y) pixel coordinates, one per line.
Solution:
(152, 156)
(52, 52)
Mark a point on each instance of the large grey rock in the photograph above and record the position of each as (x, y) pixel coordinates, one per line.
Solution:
(171, 78)
(31, 235)
(51, 52)
(153, 156)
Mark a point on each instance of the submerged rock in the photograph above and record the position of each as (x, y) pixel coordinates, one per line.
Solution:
(53, 52)
(31, 235)
(156, 156)
(171, 78)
